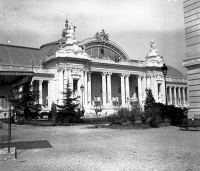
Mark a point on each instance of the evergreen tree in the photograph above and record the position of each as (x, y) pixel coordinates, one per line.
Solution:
(149, 101)
(68, 109)
(27, 102)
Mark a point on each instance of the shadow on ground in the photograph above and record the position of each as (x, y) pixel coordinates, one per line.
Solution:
(28, 144)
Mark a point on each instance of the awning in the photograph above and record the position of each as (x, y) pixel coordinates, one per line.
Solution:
(15, 78)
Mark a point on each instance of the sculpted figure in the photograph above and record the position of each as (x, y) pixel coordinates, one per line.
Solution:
(153, 44)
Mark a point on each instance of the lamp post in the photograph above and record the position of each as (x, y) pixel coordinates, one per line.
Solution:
(82, 89)
(164, 70)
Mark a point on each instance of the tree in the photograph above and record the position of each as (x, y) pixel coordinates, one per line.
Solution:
(68, 110)
(149, 101)
(27, 102)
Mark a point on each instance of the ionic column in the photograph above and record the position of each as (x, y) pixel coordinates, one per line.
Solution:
(144, 82)
(170, 94)
(50, 93)
(104, 88)
(109, 86)
(60, 83)
(140, 89)
(89, 88)
(151, 83)
(175, 98)
(127, 86)
(86, 88)
(148, 81)
(179, 95)
(40, 91)
(155, 92)
(183, 95)
(122, 89)
(164, 90)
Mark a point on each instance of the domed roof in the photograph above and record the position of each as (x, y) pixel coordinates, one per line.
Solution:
(174, 73)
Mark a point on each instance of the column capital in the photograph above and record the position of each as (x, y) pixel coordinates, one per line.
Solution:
(139, 76)
(127, 75)
(103, 73)
(122, 75)
(60, 69)
(109, 73)
(40, 81)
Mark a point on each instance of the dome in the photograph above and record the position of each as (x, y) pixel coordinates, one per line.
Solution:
(174, 73)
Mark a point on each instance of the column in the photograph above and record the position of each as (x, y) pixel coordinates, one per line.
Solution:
(89, 88)
(170, 94)
(179, 96)
(175, 99)
(148, 81)
(104, 88)
(50, 93)
(86, 88)
(151, 83)
(40, 91)
(140, 89)
(109, 86)
(122, 89)
(60, 84)
(183, 95)
(164, 91)
(127, 86)
(144, 82)
(155, 93)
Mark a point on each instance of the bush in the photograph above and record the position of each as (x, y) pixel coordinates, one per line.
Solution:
(152, 116)
(134, 113)
(114, 119)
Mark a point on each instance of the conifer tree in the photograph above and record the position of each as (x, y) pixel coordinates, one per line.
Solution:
(149, 101)
(70, 104)
(27, 102)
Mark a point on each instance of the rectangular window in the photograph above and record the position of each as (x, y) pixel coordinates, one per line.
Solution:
(75, 84)
(136, 92)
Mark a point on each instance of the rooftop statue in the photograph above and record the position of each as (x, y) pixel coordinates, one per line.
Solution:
(153, 58)
(102, 36)
(68, 34)
(70, 46)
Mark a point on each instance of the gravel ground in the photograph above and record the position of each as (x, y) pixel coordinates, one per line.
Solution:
(77, 148)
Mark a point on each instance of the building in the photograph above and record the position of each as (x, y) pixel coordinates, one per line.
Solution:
(192, 61)
(109, 77)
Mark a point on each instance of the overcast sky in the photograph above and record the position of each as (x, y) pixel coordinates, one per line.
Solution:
(130, 23)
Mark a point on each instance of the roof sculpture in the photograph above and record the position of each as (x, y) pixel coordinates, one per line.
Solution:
(153, 58)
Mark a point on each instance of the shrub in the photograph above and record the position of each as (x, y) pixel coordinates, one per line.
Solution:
(134, 113)
(152, 116)
(123, 114)
(114, 119)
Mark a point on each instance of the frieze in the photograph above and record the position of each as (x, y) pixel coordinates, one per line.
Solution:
(191, 62)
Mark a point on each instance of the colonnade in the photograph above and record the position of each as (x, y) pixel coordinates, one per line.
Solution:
(177, 95)
(55, 86)
(155, 83)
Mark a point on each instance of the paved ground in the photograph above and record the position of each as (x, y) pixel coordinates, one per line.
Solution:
(78, 148)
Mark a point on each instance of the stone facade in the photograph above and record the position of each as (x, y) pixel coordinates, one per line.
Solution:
(192, 61)
(110, 78)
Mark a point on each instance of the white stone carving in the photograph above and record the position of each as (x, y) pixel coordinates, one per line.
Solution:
(71, 47)
(153, 58)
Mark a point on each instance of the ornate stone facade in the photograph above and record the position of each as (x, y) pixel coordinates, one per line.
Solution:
(108, 75)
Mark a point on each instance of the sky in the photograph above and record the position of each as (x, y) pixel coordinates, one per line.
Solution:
(129, 23)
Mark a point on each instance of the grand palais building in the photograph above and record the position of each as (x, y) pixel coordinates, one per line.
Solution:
(107, 75)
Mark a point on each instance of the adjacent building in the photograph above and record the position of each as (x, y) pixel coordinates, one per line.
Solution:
(192, 61)
(108, 76)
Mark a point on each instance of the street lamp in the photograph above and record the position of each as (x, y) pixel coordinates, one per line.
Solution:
(82, 89)
(164, 70)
